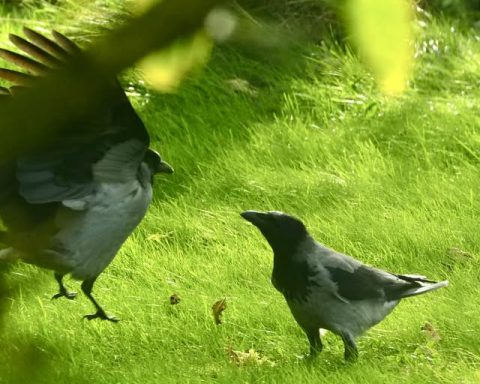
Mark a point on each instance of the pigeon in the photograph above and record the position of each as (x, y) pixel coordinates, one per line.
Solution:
(328, 290)
(70, 203)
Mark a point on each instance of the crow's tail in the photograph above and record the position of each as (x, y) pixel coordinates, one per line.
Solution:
(415, 278)
(422, 285)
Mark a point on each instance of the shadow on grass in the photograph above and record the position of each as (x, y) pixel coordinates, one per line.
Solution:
(31, 360)
(25, 358)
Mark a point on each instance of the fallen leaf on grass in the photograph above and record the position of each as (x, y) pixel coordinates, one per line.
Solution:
(217, 310)
(459, 253)
(249, 357)
(158, 236)
(242, 86)
(431, 332)
(456, 256)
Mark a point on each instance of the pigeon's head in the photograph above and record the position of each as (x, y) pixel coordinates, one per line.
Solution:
(155, 163)
(283, 232)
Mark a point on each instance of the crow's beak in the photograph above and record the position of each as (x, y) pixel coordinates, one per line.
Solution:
(164, 167)
(254, 217)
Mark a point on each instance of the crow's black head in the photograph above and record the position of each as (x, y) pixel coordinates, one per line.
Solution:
(155, 163)
(283, 232)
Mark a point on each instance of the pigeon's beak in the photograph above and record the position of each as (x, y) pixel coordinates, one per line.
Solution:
(164, 167)
(254, 217)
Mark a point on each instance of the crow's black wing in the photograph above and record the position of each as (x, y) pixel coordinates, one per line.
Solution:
(64, 167)
(356, 281)
(358, 284)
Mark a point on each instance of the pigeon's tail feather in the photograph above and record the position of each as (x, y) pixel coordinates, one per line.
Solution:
(423, 288)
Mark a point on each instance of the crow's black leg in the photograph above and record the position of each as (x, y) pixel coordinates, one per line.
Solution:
(315, 342)
(351, 352)
(63, 292)
(87, 286)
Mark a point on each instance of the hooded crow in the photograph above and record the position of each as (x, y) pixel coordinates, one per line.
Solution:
(70, 203)
(329, 290)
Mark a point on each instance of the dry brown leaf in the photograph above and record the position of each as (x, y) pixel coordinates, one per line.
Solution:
(431, 332)
(459, 253)
(249, 357)
(456, 256)
(217, 310)
(242, 86)
(157, 236)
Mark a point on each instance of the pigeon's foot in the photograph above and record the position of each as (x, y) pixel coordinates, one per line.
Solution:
(100, 314)
(65, 293)
(310, 358)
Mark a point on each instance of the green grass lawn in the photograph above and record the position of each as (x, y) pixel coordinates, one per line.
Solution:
(392, 181)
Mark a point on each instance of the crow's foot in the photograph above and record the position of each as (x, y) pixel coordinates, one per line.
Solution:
(351, 355)
(65, 293)
(100, 314)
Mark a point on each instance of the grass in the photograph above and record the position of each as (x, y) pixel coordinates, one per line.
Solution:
(393, 182)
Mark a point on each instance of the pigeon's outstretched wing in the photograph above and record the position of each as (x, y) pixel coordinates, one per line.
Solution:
(107, 141)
